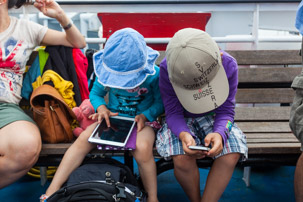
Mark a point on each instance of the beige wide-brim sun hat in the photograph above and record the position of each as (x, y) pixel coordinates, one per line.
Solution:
(195, 71)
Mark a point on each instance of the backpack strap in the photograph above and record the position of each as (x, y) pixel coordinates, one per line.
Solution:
(63, 120)
(90, 193)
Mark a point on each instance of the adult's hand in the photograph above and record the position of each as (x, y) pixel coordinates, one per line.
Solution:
(49, 8)
(71, 37)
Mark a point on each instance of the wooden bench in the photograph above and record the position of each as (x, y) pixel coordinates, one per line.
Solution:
(267, 127)
(263, 105)
(269, 138)
(263, 108)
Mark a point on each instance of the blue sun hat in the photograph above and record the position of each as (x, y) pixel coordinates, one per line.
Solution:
(126, 60)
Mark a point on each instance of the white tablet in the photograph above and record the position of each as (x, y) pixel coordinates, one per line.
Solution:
(116, 135)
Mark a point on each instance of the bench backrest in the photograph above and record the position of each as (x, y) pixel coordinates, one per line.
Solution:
(268, 82)
(264, 98)
(267, 57)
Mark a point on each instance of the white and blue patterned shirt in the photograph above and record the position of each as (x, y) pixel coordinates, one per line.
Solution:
(16, 44)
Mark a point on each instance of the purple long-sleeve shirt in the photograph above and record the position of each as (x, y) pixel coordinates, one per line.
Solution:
(175, 113)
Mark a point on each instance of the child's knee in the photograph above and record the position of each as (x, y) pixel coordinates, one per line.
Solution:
(147, 131)
(232, 159)
(143, 152)
(145, 139)
(144, 146)
(184, 162)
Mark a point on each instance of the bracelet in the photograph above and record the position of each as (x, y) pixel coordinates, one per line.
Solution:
(69, 25)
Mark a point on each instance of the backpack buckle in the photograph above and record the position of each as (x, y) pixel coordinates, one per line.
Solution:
(121, 189)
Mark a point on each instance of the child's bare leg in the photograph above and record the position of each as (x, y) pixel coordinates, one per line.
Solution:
(146, 162)
(72, 159)
(219, 176)
(187, 174)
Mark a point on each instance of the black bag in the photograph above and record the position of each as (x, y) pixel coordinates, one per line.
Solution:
(106, 181)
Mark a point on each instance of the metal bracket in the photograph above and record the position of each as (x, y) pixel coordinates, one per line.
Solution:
(246, 175)
(43, 175)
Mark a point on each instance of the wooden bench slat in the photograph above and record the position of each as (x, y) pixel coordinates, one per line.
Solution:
(259, 57)
(273, 145)
(54, 149)
(266, 57)
(264, 127)
(265, 95)
(262, 140)
(262, 113)
(56, 145)
(274, 148)
(253, 148)
(60, 148)
(269, 135)
(268, 75)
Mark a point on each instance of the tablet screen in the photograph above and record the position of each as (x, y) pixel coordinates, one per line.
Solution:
(117, 134)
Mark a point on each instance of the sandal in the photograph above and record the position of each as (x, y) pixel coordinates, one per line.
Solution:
(43, 198)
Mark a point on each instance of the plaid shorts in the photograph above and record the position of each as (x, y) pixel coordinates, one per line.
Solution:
(169, 144)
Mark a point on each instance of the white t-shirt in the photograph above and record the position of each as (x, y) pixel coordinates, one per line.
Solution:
(16, 44)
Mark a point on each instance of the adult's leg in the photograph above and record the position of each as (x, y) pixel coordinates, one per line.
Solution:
(146, 162)
(188, 176)
(20, 145)
(72, 159)
(298, 181)
(219, 176)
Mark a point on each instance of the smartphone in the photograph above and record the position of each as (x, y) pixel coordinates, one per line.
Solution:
(199, 148)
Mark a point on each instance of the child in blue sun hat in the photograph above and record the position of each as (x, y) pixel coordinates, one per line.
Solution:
(126, 71)
(126, 61)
